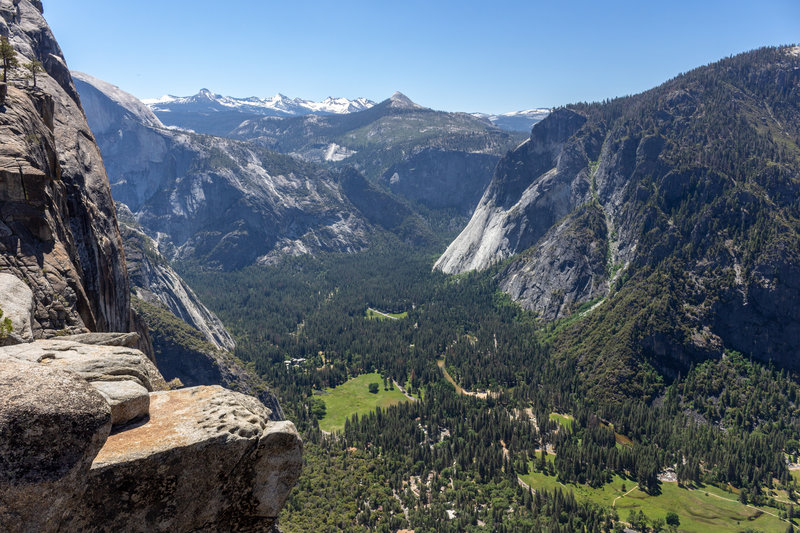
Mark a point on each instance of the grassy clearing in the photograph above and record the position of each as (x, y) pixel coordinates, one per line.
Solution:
(700, 510)
(564, 420)
(354, 397)
(374, 314)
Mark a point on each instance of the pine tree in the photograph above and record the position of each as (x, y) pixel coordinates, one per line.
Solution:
(8, 56)
(33, 67)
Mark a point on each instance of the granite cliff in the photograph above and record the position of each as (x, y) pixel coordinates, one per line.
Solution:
(680, 251)
(154, 281)
(58, 230)
(91, 439)
(223, 202)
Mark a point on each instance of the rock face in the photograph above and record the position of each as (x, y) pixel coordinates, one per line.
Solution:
(154, 281)
(532, 187)
(62, 272)
(694, 249)
(58, 230)
(567, 266)
(442, 179)
(224, 202)
(207, 460)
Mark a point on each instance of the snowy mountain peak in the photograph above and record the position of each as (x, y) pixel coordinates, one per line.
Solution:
(279, 105)
(516, 120)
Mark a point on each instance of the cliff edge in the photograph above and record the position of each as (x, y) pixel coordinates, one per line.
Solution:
(91, 439)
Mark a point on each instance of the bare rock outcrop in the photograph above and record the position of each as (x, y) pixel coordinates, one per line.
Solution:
(208, 459)
(128, 400)
(197, 459)
(91, 362)
(52, 424)
(567, 267)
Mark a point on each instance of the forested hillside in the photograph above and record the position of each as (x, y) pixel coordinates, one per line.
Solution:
(693, 246)
(304, 326)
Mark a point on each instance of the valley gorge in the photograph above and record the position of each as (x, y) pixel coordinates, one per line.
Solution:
(362, 314)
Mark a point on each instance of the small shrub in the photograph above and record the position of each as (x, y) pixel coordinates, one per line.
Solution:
(5, 326)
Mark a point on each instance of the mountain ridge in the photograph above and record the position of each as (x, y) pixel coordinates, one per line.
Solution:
(700, 245)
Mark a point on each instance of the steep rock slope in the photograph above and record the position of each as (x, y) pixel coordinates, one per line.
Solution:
(63, 270)
(532, 187)
(154, 281)
(442, 179)
(224, 202)
(697, 182)
(58, 230)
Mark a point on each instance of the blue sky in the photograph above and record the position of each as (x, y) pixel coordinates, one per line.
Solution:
(492, 56)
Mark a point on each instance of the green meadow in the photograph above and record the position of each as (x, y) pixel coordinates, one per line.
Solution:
(353, 397)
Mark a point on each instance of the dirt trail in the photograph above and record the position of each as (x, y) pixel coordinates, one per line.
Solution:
(459, 390)
(383, 314)
(747, 505)
(614, 503)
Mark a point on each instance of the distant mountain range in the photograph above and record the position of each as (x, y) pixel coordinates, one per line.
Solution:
(215, 114)
(277, 106)
(516, 120)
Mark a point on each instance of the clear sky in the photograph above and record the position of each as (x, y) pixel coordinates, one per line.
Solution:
(492, 56)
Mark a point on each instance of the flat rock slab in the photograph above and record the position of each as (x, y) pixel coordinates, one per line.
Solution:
(107, 339)
(128, 400)
(207, 459)
(91, 362)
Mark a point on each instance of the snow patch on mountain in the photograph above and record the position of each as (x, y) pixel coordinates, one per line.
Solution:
(278, 105)
(516, 120)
